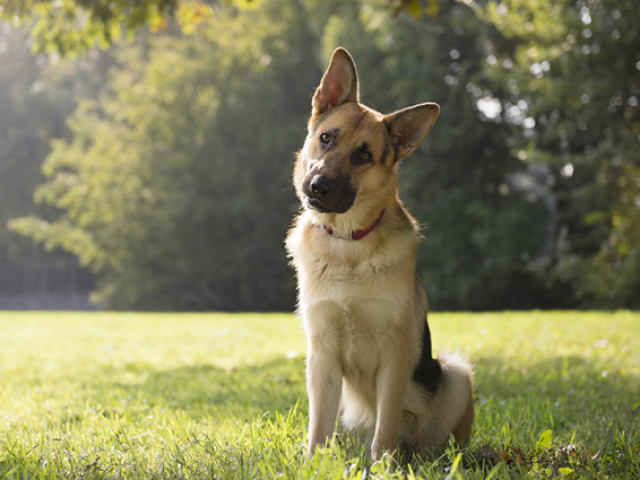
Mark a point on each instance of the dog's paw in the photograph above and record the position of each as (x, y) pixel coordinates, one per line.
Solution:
(380, 448)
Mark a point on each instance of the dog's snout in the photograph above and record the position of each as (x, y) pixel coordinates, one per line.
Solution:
(320, 187)
(325, 193)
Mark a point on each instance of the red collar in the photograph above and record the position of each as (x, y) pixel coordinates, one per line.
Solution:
(358, 234)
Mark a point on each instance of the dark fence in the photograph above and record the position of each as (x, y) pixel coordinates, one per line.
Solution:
(50, 283)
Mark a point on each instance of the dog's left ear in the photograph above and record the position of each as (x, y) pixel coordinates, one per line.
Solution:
(409, 127)
(339, 83)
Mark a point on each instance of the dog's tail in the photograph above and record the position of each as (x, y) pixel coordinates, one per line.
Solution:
(452, 405)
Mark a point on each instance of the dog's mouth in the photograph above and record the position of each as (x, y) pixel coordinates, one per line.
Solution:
(314, 204)
(318, 206)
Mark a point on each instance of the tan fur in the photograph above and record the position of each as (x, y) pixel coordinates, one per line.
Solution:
(361, 302)
(463, 429)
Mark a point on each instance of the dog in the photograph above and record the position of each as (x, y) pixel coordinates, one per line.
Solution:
(353, 246)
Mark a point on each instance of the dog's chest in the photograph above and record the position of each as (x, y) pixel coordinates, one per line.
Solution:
(355, 296)
(344, 271)
(366, 327)
(359, 304)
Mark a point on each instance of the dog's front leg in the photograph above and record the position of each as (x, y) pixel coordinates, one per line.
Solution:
(391, 387)
(324, 384)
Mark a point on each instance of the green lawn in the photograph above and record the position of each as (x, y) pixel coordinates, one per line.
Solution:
(177, 396)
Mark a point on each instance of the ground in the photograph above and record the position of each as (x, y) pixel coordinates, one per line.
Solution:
(173, 396)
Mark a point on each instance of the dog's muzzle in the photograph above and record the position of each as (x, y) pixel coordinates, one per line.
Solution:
(328, 195)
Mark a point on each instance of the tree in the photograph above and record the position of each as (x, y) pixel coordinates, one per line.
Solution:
(165, 166)
(35, 99)
(74, 26)
(573, 67)
(528, 185)
(30, 116)
(174, 189)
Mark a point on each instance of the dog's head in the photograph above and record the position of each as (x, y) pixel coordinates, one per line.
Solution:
(351, 152)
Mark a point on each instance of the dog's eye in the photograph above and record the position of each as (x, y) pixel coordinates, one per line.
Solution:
(325, 137)
(362, 156)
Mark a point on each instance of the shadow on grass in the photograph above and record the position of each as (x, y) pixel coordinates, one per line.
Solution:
(561, 393)
(208, 391)
(570, 394)
(515, 402)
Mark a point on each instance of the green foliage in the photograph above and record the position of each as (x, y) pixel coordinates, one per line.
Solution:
(36, 96)
(574, 66)
(174, 185)
(481, 229)
(168, 396)
(29, 118)
(69, 27)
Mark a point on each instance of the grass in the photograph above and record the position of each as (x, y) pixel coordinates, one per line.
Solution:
(180, 396)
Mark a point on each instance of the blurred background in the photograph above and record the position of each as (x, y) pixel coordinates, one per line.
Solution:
(146, 152)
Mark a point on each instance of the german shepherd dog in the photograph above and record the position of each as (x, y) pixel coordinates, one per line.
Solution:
(363, 307)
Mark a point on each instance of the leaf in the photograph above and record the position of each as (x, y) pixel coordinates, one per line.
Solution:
(595, 217)
(545, 440)
(565, 470)
(415, 9)
(512, 455)
(454, 467)
(433, 8)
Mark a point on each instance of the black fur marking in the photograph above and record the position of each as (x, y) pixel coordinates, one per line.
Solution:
(388, 144)
(385, 151)
(428, 373)
(362, 155)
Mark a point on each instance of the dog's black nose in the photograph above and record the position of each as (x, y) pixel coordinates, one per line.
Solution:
(320, 187)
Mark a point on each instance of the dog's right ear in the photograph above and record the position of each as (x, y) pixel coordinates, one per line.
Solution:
(409, 127)
(339, 83)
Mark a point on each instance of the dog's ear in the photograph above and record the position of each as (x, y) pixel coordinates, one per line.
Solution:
(339, 83)
(409, 127)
